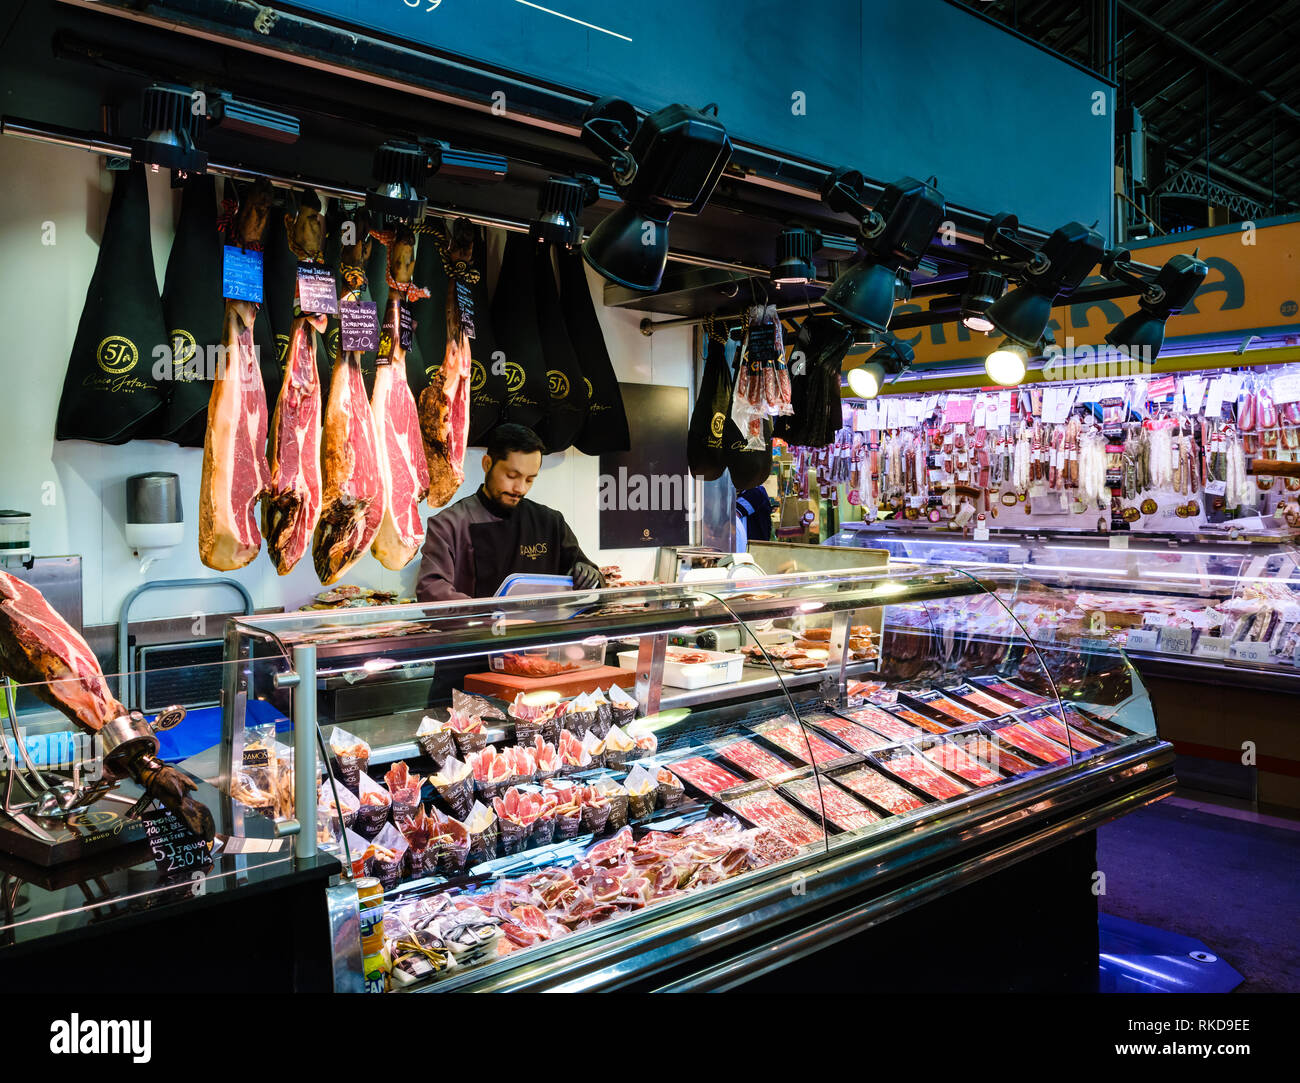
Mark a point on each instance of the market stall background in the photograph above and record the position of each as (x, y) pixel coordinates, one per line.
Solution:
(76, 490)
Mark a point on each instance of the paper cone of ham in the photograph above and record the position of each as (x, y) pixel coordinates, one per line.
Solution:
(605, 426)
(109, 393)
(193, 310)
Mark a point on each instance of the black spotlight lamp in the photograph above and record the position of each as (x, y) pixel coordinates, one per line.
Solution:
(400, 170)
(794, 262)
(891, 357)
(895, 233)
(982, 289)
(1164, 293)
(559, 211)
(666, 164)
(1054, 271)
(166, 113)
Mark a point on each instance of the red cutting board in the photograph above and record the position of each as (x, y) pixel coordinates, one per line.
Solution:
(506, 685)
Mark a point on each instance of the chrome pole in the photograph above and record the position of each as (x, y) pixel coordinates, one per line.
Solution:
(304, 749)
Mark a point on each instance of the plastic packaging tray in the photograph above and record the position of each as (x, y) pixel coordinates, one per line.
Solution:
(551, 661)
(718, 667)
(801, 742)
(955, 760)
(762, 806)
(754, 759)
(879, 790)
(910, 766)
(828, 804)
(848, 733)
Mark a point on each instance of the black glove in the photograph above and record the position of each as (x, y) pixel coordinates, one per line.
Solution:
(586, 576)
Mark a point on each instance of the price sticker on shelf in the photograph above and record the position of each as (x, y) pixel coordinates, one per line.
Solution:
(981, 532)
(175, 848)
(1142, 639)
(1216, 488)
(1118, 541)
(1249, 652)
(1212, 647)
(1175, 640)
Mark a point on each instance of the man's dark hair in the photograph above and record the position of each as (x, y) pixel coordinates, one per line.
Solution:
(509, 437)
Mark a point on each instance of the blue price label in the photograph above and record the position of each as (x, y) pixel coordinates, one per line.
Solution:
(241, 275)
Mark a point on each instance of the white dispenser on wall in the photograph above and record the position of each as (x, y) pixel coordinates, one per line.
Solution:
(155, 523)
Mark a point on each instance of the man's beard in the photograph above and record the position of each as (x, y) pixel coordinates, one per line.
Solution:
(498, 508)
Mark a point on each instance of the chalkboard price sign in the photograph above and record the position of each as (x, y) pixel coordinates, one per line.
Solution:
(175, 848)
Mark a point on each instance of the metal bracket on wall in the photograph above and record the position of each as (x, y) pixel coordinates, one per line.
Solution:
(650, 672)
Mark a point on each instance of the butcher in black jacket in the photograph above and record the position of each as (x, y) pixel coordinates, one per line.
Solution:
(472, 546)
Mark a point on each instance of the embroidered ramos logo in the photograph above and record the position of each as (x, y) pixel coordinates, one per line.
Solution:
(532, 552)
(557, 384)
(116, 355)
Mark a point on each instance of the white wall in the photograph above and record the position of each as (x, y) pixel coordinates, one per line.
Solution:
(42, 289)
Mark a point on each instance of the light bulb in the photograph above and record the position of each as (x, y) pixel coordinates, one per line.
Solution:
(978, 323)
(866, 380)
(1007, 364)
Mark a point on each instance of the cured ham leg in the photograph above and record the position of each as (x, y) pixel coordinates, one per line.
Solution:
(235, 470)
(353, 504)
(291, 507)
(402, 461)
(444, 404)
(38, 648)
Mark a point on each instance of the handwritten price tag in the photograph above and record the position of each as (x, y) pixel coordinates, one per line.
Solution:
(1176, 640)
(175, 848)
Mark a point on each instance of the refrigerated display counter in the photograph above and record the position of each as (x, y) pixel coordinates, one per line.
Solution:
(908, 754)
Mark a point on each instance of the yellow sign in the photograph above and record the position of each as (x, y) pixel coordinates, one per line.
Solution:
(1253, 287)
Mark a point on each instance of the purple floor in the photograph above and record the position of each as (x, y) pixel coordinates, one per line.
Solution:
(1224, 880)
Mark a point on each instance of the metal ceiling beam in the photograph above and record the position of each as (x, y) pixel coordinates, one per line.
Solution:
(1205, 58)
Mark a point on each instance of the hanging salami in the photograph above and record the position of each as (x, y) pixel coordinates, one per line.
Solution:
(109, 393)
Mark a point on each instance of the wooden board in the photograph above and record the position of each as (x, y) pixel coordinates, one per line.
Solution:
(506, 686)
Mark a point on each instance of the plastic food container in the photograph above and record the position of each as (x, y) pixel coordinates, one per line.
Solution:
(551, 661)
(691, 668)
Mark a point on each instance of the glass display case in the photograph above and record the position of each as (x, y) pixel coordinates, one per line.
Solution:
(1179, 605)
(642, 827)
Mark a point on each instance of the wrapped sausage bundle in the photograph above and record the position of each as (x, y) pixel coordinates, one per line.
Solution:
(455, 785)
(375, 805)
(353, 756)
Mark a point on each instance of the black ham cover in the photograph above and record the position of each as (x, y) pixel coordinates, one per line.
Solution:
(429, 314)
(706, 455)
(605, 429)
(194, 310)
(487, 395)
(514, 321)
(815, 390)
(109, 393)
(566, 411)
